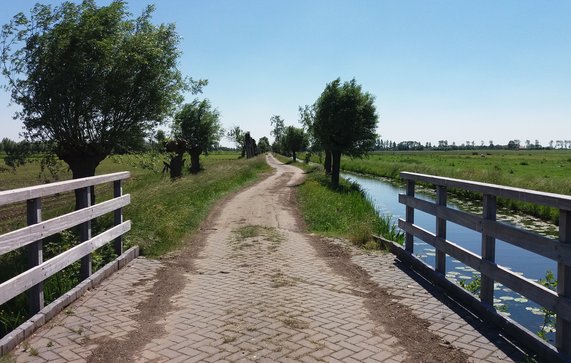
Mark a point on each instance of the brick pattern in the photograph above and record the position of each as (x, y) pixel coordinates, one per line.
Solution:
(267, 298)
(480, 341)
(258, 292)
(105, 312)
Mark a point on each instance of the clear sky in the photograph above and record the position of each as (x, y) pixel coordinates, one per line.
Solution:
(454, 70)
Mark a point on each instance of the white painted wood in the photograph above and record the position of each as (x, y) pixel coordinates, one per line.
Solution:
(38, 191)
(24, 236)
(24, 281)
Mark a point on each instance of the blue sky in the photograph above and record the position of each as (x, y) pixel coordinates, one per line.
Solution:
(454, 70)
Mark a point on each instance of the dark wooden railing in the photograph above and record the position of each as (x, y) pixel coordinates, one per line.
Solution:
(31, 236)
(558, 250)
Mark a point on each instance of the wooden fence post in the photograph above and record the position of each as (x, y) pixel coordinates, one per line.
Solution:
(118, 217)
(488, 249)
(35, 257)
(563, 327)
(441, 197)
(85, 233)
(409, 238)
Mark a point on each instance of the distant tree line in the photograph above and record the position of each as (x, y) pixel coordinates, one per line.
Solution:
(515, 144)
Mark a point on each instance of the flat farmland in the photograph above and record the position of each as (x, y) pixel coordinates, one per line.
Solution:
(544, 170)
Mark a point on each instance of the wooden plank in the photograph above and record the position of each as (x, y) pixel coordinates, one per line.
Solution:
(531, 290)
(85, 233)
(530, 241)
(559, 201)
(440, 258)
(563, 324)
(118, 217)
(459, 217)
(409, 239)
(24, 281)
(24, 236)
(38, 191)
(34, 257)
(488, 249)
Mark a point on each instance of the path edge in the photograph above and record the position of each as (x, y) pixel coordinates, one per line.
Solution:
(26, 329)
(520, 336)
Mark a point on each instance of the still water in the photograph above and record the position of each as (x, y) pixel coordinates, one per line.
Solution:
(384, 195)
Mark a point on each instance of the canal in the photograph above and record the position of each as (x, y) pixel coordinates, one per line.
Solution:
(384, 194)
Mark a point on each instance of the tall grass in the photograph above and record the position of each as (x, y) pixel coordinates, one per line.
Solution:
(345, 211)
(164, 213)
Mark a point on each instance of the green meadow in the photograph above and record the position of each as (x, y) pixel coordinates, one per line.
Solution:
(542, 170)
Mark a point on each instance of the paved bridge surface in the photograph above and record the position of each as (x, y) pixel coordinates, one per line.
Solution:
(255, 287)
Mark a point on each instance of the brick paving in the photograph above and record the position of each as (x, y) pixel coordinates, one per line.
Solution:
(258, 292)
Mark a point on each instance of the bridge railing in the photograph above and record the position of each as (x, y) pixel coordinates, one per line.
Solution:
(558, 250)
(30, 237)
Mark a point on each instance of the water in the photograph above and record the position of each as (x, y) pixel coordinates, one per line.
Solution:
(384, 195)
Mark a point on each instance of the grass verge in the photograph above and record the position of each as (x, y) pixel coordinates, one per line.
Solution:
(163, 213)
(343, 212)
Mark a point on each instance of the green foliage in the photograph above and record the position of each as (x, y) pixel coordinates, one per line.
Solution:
(345, 211)
(345, 122)
(549, 316)
(198, 124)
(264, 145)
(346, 118)
(90, 79)
(293, 140)
(473, 286)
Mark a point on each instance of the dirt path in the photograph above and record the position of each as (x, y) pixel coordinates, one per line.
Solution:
(252, 286)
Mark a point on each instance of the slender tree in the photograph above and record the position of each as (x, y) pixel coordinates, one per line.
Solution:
(236, 135)
(294, 140)
(264, 144)
(345, 122)
(278, 131)
(90, 79)
(198, 124)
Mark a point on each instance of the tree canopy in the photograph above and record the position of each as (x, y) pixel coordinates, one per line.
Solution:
(91, 79)
(294, 140)
(198, 124)
(345, 122)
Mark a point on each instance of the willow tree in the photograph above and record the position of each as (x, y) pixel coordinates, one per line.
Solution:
(90, 79)
(293, 140)
(198, 124)
(345, 122)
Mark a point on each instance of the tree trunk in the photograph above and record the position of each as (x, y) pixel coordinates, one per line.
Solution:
(294, 160)
(83, 166)
(194, 161)
(176, 166)
(336, 167)
(327, 164)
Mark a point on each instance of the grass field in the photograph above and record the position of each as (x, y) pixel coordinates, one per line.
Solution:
(542, 170)
(164, 213)
(545, 170)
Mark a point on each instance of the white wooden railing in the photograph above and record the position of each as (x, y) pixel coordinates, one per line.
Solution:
(30, 237)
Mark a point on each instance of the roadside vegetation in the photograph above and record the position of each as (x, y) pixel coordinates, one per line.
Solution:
(343, 211)
(164, 212)
(541, 170)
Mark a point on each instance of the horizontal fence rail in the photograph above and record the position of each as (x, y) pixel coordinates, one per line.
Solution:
(558, 250)
(30, 237)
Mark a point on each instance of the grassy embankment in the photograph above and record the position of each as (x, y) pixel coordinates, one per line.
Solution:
(343, 212)
(164, 213)
(543, 170)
